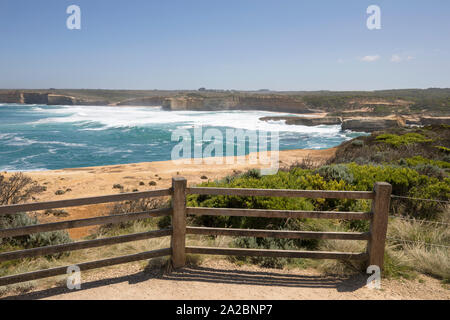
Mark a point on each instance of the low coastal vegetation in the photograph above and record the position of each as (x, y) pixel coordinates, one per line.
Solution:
(383, 102)
(413, 160)
(400, 140)
(418, 235)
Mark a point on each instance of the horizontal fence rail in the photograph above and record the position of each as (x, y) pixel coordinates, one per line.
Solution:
(375, 237)
(83, 245)
(282, 193)
(34, 275)
(278, 234)
(378, 217)
(277, 253)
(278, 213)
(71, 224)
(16, 208)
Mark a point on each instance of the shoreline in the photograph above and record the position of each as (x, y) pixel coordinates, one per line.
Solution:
(97, 181)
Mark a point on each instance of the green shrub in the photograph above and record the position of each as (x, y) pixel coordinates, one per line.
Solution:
(434, 189)
(430, 170)
(336, 172)
(419, 160)
(32, 240)
(252, 173)
(443, 149)
(264, 243)
(398, 140)
(406, 181)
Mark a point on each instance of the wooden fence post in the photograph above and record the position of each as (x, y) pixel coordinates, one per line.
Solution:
(179, 222)
(379, 223)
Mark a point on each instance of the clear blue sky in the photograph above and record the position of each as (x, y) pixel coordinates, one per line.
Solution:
(232, 44)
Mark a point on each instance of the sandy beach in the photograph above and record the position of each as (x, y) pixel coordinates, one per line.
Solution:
(95, 181)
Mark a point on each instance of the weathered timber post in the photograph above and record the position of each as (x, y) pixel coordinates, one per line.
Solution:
(379, 223)
(179, 222)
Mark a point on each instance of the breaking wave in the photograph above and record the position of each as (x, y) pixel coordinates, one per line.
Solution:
(55, 137)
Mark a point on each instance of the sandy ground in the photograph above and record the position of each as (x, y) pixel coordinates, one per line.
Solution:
(95, 181)
(218, 279)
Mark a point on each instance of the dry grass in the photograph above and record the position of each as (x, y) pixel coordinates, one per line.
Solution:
(402, 258)
(341, 267)
(431, 261)
(426, 250)
(105, 252)
(424, 247)
(92, 254)
(418, 231)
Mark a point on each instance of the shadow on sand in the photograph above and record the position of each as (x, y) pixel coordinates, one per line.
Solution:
(210, 275)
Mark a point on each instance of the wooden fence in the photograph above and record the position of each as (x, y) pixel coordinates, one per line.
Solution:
(374, 254)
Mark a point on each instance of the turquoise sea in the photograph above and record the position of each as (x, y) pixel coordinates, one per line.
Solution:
(38, 137)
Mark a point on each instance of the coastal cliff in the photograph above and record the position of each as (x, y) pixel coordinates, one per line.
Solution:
(235, 102)
(189, 101)
(146, 101)
(371, 124)
(11, 97)
(46, 99)
(36, 98)
(356, 111)
(427, 121)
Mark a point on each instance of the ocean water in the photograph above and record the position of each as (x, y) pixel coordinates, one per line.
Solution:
(38, 137)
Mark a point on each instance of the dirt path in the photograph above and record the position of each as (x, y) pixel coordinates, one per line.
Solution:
(219, 279)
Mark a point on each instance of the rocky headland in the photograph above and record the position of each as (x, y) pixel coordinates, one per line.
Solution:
(362, 124)
(306, 121)
(356, 111)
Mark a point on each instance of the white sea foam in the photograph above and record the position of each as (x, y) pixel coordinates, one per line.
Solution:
(12, 169)
(15, 140)
(129, 121)
(5, 136)
(116, 117)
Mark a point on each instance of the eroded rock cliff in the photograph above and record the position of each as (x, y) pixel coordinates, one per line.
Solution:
(146, 101)
(426, 121)
(235, 102)
(371, 124)
(11, 97)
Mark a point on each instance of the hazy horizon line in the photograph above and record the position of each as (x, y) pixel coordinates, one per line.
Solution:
(237, 90)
